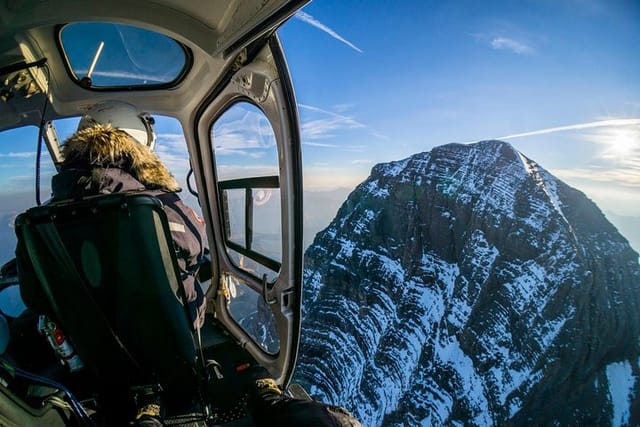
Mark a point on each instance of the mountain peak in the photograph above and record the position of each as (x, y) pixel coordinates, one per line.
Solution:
(483, 151)
(460, 285)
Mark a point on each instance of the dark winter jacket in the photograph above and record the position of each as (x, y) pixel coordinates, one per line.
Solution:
(105, 160)
(187, 228)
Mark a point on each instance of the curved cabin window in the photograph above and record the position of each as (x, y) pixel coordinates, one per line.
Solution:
(246, 158)
(248, 177)
(17, 181)
(17, 194)
(106, 55)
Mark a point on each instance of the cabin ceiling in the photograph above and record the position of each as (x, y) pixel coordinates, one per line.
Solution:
(213, 30)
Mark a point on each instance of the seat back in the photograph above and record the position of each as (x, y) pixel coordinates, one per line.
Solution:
(106, 269)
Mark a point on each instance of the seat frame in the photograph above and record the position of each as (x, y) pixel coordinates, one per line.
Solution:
(105, 269)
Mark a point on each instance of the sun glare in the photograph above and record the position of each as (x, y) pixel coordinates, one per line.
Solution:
(623, 142)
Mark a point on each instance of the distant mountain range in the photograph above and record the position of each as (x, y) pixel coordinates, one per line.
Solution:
(469, 286)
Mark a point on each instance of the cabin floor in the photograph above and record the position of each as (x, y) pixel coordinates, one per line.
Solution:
(31, 352)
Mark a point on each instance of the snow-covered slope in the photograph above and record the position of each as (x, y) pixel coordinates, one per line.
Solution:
(469, 286)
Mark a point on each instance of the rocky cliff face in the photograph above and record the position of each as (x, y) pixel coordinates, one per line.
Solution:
(469, 286)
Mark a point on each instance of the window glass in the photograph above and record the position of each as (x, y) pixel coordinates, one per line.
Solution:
(121, 55)
(246, 157)
(172, 150)
(267, 228)
(17, 178)
(17, 181)
(252, 266)
(248, 308)
(236, 221)
(244, 143)
(17, 194)
(65, 127)
(264, 229)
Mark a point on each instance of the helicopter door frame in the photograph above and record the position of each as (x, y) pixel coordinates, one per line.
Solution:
(265, 83)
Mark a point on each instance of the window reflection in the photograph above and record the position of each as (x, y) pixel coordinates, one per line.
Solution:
(246, 158)
(244, 143)
(252, 313)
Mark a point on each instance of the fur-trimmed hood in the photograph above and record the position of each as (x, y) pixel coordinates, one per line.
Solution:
(104, 146)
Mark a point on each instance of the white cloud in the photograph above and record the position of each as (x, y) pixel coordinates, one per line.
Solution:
(342, 108)
(596, 124)
(172, 150)
(624, 177)
(619, 144)
(178, 164)
(617, 157)
(174, 139)
(515, 46)
(244, 130)
(323, 125)
(361, 162)
(305, 17)
(19, 155)
(611, 189)
(510, 38)
(322, 144)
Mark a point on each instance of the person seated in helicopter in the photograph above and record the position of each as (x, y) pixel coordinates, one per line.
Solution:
(111, 152)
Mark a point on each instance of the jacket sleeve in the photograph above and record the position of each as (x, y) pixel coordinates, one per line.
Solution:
(190, 241)
(288, 412)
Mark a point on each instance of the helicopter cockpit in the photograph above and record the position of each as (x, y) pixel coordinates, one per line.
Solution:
(215, 82)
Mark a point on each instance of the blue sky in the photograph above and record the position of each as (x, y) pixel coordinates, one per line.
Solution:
(379, 81)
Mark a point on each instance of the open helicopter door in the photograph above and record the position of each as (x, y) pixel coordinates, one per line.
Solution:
(250, 169)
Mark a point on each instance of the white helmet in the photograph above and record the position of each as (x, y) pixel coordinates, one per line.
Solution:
(123, 116)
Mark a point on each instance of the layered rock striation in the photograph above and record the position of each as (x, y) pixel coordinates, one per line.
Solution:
(467, 285)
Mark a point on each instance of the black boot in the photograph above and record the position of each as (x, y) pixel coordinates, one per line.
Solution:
(150, 411)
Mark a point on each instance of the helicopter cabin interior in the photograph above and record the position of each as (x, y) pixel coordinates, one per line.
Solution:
(214, 79)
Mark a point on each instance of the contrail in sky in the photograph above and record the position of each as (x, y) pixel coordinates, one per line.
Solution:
(305, 17)
(601, 123)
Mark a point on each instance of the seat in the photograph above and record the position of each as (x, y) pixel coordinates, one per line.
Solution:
(104, 268)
